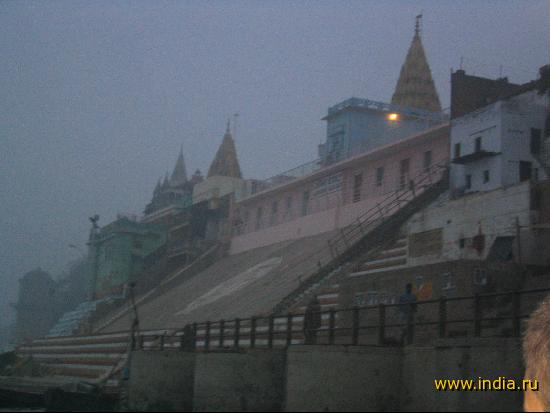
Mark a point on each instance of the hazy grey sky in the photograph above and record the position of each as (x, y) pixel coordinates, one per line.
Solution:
(97, 97)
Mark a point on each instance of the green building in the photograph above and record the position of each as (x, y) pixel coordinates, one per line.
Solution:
(120, 252)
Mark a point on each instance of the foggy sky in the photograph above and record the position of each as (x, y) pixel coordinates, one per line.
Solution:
(97, 97)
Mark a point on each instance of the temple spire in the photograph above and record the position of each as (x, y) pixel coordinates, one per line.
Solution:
(415, 87)
(179, 175)
(225, 162)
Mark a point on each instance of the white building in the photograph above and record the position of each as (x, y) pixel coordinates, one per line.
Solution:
(501, 144)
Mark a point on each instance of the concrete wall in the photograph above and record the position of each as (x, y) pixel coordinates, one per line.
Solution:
(461, 359)
(323, 378)
(161, 381)
(490, 213)
(251, 380)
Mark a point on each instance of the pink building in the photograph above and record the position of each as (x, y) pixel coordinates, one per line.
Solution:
(334, 196)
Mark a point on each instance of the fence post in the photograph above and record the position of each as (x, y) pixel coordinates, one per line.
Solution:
(477, 316)
(331, 322)
(270, 331)
(252, 332)
(516, 309)
(442, 317)
(410, 324)
(207, 337)
(289, 330)
(355, 326)
(381, 324)
(237, 332)
(195, 332)
(222, 333)
(141, 341)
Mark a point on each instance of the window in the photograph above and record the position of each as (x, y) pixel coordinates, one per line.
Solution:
(379, 176)
(274, 209)
(357, 184)
(480, 276)
(486, 176)
(289, 206)
(524, 171)
(536, 141)
(427, 160)
(478, 144)
(404, 173)
(447, 281)
(327, 184)
(372, 298)
(305, 203)
(359, 300)
(457, 150)
(468, 181)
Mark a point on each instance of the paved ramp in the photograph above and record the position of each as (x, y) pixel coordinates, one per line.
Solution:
(241, 285)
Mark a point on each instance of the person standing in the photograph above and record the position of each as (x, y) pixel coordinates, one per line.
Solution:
(407, 308)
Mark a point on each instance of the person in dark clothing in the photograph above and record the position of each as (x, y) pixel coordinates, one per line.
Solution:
(407, 309)
(312, 321)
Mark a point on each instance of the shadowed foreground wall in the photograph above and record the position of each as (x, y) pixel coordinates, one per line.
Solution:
(326, 378)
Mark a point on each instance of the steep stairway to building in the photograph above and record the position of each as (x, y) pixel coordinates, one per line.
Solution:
(363, 244)
(391, 258)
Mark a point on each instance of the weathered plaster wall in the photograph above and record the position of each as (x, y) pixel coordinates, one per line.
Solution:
(323, 378)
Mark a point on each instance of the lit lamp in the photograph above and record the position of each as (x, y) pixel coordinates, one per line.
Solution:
(393, 116)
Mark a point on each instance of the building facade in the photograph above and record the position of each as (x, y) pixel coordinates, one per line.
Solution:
(500, 144)
(120, 252)
(334, 197)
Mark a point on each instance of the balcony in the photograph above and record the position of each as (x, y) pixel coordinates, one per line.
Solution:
(474, 156)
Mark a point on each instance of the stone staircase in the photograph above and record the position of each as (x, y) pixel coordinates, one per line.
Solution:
(374, 243)
(391, 258)
(95, 359)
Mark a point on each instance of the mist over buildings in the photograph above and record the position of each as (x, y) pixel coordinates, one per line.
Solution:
(98, 98)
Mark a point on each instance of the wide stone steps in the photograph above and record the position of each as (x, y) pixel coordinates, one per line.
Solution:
(393, 257)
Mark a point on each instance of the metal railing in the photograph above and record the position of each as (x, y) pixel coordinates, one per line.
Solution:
(425, 179)
(482, 315)
(331, 257)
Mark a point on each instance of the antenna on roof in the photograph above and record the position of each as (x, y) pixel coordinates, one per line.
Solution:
(418, 24)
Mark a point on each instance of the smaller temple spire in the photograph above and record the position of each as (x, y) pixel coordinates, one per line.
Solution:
(166, 181)
(179, 174)
(225, 162)
(157, 187)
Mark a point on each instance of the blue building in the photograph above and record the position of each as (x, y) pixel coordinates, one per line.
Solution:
(358, 125)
